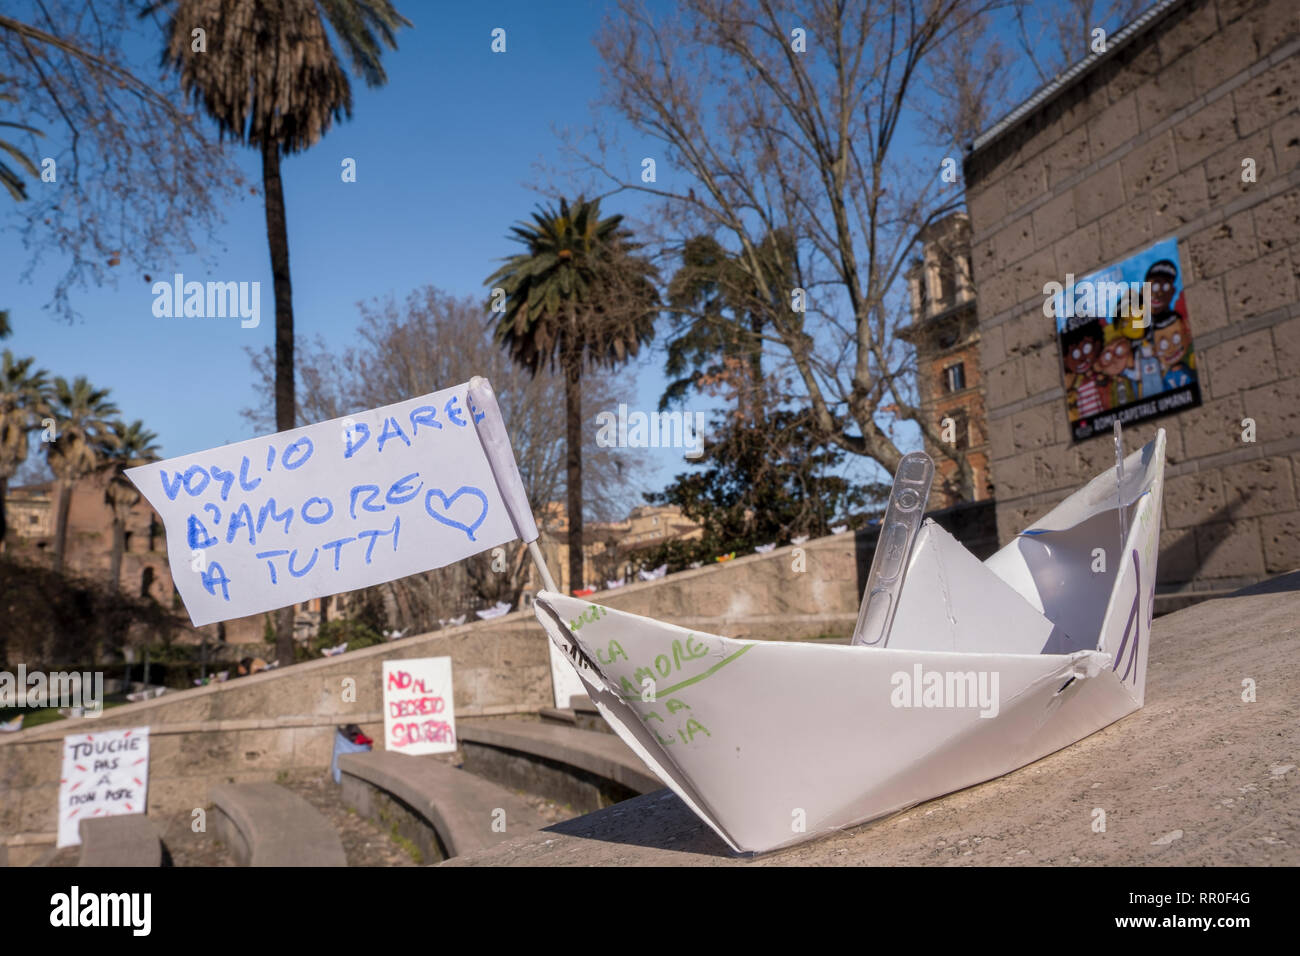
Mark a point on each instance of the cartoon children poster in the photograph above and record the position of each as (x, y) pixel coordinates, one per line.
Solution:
(1126, 342)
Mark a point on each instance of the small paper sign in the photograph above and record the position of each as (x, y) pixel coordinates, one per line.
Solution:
(419, 716)
(104, 774)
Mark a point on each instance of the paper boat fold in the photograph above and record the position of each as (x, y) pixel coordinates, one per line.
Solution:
(988, 666)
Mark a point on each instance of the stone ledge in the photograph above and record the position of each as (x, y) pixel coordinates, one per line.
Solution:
(584, 769)
(458, 806)
(128, 839)
(267, 825)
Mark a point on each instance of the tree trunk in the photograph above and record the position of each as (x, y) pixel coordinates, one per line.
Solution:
(61, 522)
(277, 238)
(115, 560)
(4, 524)
(573, 441)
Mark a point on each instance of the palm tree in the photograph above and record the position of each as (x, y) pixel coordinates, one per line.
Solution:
(132, 445)
(9, 177)
(82, 436)
(22, 405)
(270, 79)
(576, 298)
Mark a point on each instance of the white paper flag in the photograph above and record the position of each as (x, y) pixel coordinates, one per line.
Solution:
(328, 508)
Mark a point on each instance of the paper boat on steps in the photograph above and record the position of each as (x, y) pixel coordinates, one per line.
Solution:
(988, 666)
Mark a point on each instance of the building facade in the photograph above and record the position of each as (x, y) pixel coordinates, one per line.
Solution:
(945, 333)
(1184, 136)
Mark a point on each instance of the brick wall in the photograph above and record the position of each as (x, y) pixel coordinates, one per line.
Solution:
(1146, 145)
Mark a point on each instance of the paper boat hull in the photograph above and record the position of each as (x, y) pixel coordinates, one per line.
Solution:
(772, 742)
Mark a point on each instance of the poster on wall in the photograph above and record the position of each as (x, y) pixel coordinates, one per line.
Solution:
(104, 774)
(419, 711)
(1126, 341)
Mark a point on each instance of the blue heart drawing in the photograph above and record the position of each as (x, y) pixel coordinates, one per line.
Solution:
(447, 501)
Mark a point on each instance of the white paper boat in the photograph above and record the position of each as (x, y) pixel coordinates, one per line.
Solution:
(987, 667)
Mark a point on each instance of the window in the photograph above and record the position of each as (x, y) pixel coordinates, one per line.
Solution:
(33, 519)
(954, 377)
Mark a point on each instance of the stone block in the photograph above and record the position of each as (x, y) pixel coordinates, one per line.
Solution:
(1261, 286)
(1165, 94)
(1052, 220)
(1241, 362)
(1014, 243)
(1281, 535)
(1204, 132)
(1229, 51)
(10, 810)
(1079, 251)
(984, 259)
(529, 686)
(1276, 409)
(1016, 476)
(1066, 157)
(39, 808)
(1029, 275)
(1194, 498)
(993, 349)
(1284, 136)
(1034, 428)
(1277, 220)
(1126, 229)
(1259, 487)
(1206, 306)
(1028, 332)
(1177, 202)
(1286, 346)
(1100, 193)
(1224, 169)
(263, 750)
(1006, 383)
(1223, 246)
(1275, 25)
(1043, 369)
(1136, 71)
(313, 746)
(987, 204)
(1230, 549)
(1149, 165)
(1198, 25)
(1265, 99)
(1214, 427)
(1087, 101)
(1116, 125)
(1023, 185)
(1001, 442)
(1231, 10)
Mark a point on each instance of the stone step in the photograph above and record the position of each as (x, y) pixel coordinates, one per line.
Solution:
(443, 810)
(583, 717)
(585, 769)
(128, 839)
(266, 825)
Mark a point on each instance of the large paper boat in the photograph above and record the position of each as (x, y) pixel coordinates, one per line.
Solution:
(988, 666)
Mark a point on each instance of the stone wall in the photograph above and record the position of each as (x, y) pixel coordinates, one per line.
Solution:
(1148, 144)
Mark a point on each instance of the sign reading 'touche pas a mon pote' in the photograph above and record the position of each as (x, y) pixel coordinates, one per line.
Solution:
(327, 508)
(104, 774)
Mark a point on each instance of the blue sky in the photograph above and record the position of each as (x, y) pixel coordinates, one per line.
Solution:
(445, 155)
